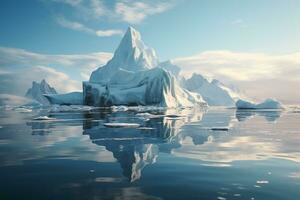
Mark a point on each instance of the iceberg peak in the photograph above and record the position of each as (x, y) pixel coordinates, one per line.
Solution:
(132, 55)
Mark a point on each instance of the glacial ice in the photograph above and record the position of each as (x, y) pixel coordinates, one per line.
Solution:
(43, 118)
(132, 78)
(267, 104)
(73, 98)
(213, 92)
(149, 87)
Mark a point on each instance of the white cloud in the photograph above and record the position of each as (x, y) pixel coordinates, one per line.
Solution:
(80, 27)
(57, 79)
(136, 11)
(106, 33)
(259, 75)
(18, 68)
(131, 11)
(14, 57)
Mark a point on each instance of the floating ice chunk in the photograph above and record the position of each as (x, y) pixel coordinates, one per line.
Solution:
(119, 108)
(262, 182)
(43, 118)
(71, 108)
(121, 125)
(148, 115)
(23, 110)
(145, 128)
(267, 104)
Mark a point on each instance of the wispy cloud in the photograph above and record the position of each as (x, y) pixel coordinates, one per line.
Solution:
(18, 68)
(259, 75)
(131, 11)
(136, 11)
(80, 27)
(239, 22)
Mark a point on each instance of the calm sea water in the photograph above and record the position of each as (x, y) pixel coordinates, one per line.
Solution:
(199, 154)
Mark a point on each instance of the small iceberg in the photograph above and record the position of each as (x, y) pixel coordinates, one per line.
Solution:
(267, 104)
(71, 108)
(148, 115)
(122, 125)
(43, 118)
(145, 128)
(119, 108)
(22, 110)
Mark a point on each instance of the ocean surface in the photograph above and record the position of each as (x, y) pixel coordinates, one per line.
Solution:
(213, 153)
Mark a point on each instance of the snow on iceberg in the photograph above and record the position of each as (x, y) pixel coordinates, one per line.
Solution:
(213, 92)
(267, 104)
(132, 78)
(73, 98)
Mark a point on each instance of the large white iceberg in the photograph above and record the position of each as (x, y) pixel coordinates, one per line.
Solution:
(267, 104)
(132, 78)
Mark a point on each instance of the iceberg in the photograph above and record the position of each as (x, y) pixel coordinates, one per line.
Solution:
(267, 104)
(132, 78)
(38, 90)
(72, 98)
(213, 92)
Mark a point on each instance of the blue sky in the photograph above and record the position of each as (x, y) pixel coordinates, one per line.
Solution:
(249, 43)
(183, 28)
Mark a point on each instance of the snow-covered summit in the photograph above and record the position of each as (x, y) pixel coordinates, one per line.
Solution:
(38, 90)
(132, 55)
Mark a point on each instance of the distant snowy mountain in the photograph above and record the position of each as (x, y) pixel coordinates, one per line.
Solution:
(38, 90)
(213, 92)
(132, 77)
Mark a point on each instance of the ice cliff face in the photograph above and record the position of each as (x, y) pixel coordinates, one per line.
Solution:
(213, 92)
(132, 77)
(38, 90)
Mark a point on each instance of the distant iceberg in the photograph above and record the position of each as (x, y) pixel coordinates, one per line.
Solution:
(213, 92)
(267, 104)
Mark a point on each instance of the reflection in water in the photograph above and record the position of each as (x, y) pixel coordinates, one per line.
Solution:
(270, 116)
(136, 148)
(189, 134)
(184, 147)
